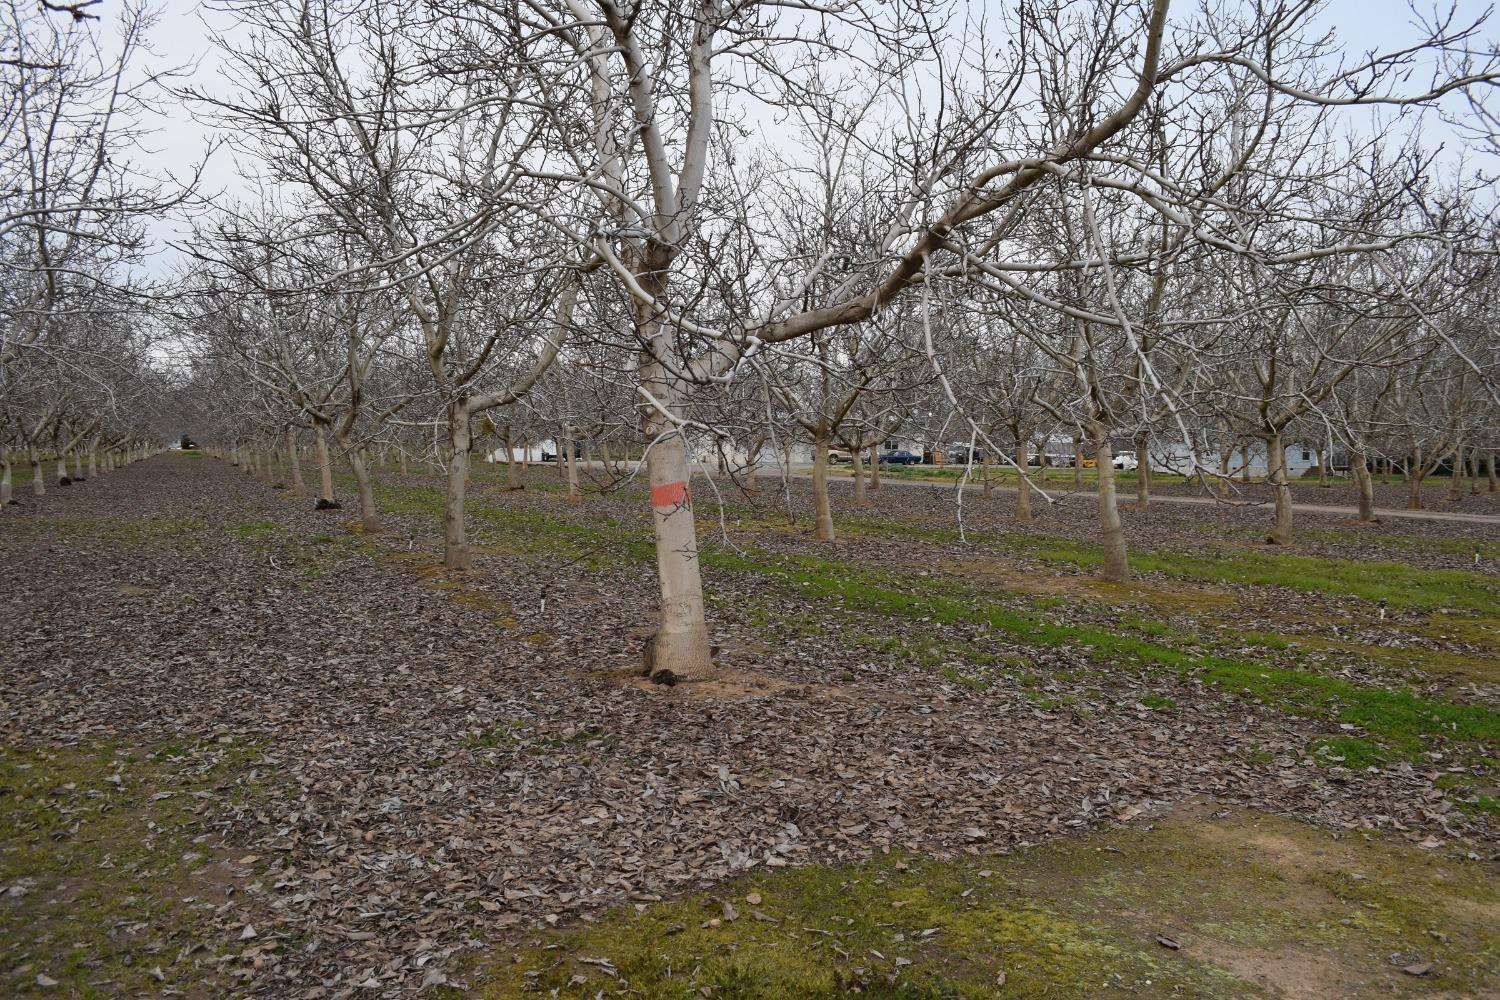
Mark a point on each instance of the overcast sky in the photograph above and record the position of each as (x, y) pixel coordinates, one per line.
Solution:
(188, 27)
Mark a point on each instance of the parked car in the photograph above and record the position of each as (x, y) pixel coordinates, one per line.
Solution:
(835, 456)
(901, 458)
(963, 455)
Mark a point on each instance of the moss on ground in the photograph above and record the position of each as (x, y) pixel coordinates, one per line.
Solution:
(1256, 905)
(103, 863)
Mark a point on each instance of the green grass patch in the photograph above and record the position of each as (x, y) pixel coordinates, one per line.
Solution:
(1260, 906)
(102, 842)
(1403, 721)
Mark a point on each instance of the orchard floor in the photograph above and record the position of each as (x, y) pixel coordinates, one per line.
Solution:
(248, 750)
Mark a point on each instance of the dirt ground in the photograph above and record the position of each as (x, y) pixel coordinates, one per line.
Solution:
(249, 749)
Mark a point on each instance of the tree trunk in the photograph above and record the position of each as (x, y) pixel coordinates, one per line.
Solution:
(1078, 460)
(858, 462)
(1143, 472)
(1245, 472)
(38, 483)
(1362, 480)
(299, 487)
(679, 650)
(1222, 486)
(572, 464)
(1494, 479)
(1023, 483)
(1281, 491)
(822, 509)
(325, 470)
(1414, 479)
(1456, 480)
(875, 467)
(1116, 566)
(512, 465)
(5, 497)
(752, 466)
(1474, 470)
(988, 479)
(63, 479)
(369, 515)
(93, 461)
(455, 535)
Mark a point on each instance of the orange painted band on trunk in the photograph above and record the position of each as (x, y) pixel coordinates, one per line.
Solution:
(670, 495)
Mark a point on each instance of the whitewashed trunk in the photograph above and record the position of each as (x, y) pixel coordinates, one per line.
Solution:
(455, 534)
(369, 516)
(299, 486)
(568, 448)
(325, 468)
(1116, 566)
(1456, 480)
(1281, 491)
(679, 650)
(1023, 483)
(1143, 472)
(822, 508)
(1361, 472)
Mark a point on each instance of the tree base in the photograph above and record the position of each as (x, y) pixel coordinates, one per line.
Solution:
(670, 659)
(322, 504)
(65, 481)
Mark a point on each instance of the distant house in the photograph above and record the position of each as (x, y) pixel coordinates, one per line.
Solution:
(1301, 459)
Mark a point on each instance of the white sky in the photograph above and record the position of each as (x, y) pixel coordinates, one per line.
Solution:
(187, 28)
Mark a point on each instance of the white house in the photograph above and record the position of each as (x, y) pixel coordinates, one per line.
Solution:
(1301, 458)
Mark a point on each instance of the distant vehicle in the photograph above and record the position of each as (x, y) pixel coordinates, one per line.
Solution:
(548, 456)
(901, 458)
(1125, 462)
(835, 456)
(963, 455)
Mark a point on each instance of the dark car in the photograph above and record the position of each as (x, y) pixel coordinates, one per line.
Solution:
(901, 458)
